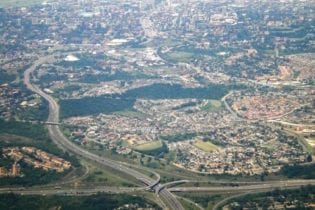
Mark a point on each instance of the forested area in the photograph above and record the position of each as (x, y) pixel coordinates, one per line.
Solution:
(118, 75)
(94, 105)
(125, 101)
(296, 199)
(94, 202)
(18, 134)
(5, 77)
(299, 171)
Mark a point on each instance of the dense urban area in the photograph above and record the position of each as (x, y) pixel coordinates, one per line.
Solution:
(202, 89)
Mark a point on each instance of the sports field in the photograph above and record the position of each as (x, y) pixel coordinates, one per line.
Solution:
(213, 106)
(149, 146)
(180, 56)
(206, 146)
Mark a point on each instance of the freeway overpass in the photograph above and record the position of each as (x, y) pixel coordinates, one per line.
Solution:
(162, 186)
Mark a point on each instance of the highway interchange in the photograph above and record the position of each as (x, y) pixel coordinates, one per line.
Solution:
(163, 191)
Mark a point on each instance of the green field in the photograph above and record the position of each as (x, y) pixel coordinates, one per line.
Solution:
(149, 146)
(180, 56)
(206, 146)
(105, 176)
(131, 114)
(213, 106)
(188, 205)
(206, 200)
(19, 3)
(304, 143)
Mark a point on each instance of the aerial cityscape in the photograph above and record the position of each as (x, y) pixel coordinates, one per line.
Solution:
(157, 104)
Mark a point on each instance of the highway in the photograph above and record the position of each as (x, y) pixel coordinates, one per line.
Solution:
(58, 137)
(262, 186)
(249, 188)
(162, 186)
(73, 191)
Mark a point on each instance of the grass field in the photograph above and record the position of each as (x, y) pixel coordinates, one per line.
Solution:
(128, 113)
(98, 175)
(213, 106)
(206, 146)
(188, 205)
(307, 144)
(304, 143)
(205, 200)
(15, 139)
(180, 56)
(311, 142)
(19, 3)
(149, 146)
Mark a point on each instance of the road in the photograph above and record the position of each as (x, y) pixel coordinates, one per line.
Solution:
(58, 137)
(250, 188)
(289, 112)
(222, 202)
(235, 115)
(272, 119)
(262, 186)
(74, 191)
(171, 184)
(291, 124)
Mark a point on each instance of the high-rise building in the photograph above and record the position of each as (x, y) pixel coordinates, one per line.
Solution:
(3, 171)
(15, 169)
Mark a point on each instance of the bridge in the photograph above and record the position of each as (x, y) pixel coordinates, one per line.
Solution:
(170, 184)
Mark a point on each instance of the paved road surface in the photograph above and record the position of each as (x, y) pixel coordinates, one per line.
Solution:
(262, 186)
(235, 115)
(74, 191)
